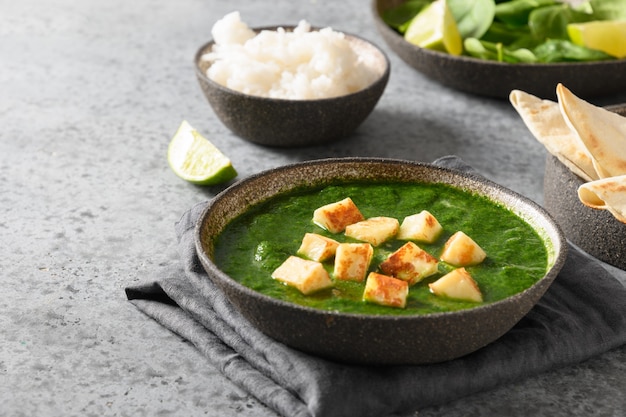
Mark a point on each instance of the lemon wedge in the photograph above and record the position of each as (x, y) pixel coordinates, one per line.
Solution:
(193, 158)
(435, 28)
(608, 36)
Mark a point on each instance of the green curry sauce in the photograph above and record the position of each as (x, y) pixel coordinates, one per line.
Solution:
(256, 243)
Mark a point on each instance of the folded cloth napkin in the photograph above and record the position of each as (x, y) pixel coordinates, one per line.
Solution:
(581, 315)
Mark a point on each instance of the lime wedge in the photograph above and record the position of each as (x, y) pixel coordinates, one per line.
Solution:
(193, 158)
(608, 36)
(435, 28)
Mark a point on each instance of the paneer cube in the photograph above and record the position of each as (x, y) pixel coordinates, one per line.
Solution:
(461, 250)
(410, 263)
(352, 261)
(385, 290)
(374, 230)
(317, 247)
(305, 275)
(423, 227)
(334, 217)
(457, 284)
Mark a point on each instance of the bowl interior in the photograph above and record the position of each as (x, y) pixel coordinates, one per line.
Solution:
(496, 79)
(371, 338)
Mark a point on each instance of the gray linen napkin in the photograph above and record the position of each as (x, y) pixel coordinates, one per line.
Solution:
(581, 315)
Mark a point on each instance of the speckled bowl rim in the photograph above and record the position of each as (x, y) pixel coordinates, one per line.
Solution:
(381, 78)
(559, 248)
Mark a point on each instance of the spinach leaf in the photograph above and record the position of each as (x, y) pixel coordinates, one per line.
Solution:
(400, 17)
(558, 50)
(473, 18)
(608, 9)
(516, 12)
(497, 51)
(506, 34)
(528, 41)
(550, 22)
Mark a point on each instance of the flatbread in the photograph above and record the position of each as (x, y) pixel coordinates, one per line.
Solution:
(545, 121)
(602, 132)
(606, 194)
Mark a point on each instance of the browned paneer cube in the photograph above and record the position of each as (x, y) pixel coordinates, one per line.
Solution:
(461, 250)
(457, 284)
(423, 227)
(410, 263)
(305, 275)
(385, 290)
(317, 247)
(374, 230)
(352, 261)
(334, 217)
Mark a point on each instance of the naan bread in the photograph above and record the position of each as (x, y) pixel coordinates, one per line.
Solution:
(606, 194)
(545, 121)
(589, 140)
(602, 132)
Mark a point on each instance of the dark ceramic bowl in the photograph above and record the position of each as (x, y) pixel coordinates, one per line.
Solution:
(295, 123)
(496, 79)
(597, 232)
(373, 339)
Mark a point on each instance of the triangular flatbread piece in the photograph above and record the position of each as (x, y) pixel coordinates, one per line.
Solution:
(545, 121)
(602, 132)
(607, 194)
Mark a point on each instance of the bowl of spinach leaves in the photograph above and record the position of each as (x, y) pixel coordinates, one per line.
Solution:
(511, 44)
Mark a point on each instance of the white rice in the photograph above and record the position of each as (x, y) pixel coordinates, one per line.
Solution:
(297, 65)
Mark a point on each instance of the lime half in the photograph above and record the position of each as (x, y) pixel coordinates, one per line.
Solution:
(193, 158)
(435, 28)
(608, 36)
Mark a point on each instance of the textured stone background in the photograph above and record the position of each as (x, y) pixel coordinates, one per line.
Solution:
(90, 94)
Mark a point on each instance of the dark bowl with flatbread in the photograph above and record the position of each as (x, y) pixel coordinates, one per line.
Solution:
(497, 79)
(597, 232)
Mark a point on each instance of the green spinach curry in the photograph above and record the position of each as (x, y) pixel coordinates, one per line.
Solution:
(257, 242)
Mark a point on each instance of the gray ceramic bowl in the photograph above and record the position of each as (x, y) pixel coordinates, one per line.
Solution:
(294, 123)
(597, 232)
(495, 79)
(373, 339)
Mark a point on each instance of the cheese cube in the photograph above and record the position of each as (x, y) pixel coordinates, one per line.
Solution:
(410, 263)
(457, 284)
(305, 275)
(374, 230)
(461, 250)
(385, 290)
(423, 227)
(317, 247)
(334, 217)
(352, 261)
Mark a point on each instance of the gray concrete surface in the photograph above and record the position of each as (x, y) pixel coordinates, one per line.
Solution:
(90, 95)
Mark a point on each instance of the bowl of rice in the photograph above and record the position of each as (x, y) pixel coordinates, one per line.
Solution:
(290, 86)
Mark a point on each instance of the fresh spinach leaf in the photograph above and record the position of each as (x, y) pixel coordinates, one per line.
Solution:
(399, 17)
(473, 18)
(550, 22)
(558, 50)
(516, 12)
(497, 52)
(608, 9)
(506, 34)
